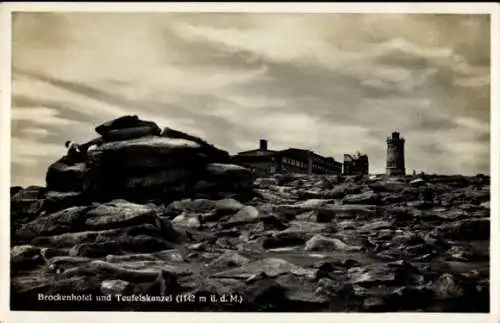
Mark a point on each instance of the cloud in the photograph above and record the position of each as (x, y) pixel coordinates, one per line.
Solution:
(38, 132)
(335, 83)
(41, 115)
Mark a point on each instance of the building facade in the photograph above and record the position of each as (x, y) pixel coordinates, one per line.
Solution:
(263, 161)
(356, 164)
(395, 155)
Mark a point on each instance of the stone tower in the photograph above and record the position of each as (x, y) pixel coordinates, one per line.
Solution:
(395, 155)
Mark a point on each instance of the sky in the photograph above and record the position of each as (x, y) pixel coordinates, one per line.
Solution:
(333, 83)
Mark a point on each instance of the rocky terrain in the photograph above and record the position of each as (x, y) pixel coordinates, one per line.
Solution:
(171, 225)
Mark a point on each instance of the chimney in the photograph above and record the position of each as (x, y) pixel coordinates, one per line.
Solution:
(263, 145)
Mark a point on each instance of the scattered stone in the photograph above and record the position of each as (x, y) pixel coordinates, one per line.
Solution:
(320, 242)
(153, 212)
(66, 175)
(246, 213)
(229, 259)
(466, 229)
(228, 206)
(25, 256)
(114, 287)
(369, 198)
(272, 267)
(186, 220)
(446, 287)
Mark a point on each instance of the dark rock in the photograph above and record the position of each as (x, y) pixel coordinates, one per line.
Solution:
(231, 176)
(407, 238)
(377, 225)
(266, 294)
(214, 154)
(461, 253)
(134, 244)
(266, 182)
(374, 304)
(305, 299)
(342, 190)
(476, 196)
(228, 206)
(60, 264)
(25, 256)
(25, 210)
(14, 190)
(49, 253)
(447, 287)
(228, 260)
(68, 220)
(130, 122)
(369, 198)
(349, 211)
(272, 267)
(466, 229)
(56, 201)
(247, 213)
(27, 204)
(66, 175)
(30, 193)
(143, 166)
(392, 273)
(187, 220)
(124, 122)
(193, 206)
(71, 239)
(387, 186)
(118, 213)
(283, 239)
(410, 298)
(168, 256)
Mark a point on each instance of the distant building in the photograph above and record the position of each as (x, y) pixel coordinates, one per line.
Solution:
(395, 155)
(263, 161)
(356, 164)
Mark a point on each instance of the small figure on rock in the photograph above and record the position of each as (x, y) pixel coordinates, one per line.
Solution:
(74, 150)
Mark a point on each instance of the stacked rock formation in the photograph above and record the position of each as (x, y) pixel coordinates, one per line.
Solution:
(139, 163)
(157, 216)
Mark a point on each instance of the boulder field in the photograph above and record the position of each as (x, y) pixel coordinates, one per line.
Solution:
(169, 224)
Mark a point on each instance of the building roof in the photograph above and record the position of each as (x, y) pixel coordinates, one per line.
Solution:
(297, 152)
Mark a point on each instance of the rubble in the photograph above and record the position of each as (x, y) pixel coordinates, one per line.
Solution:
(159, 215)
